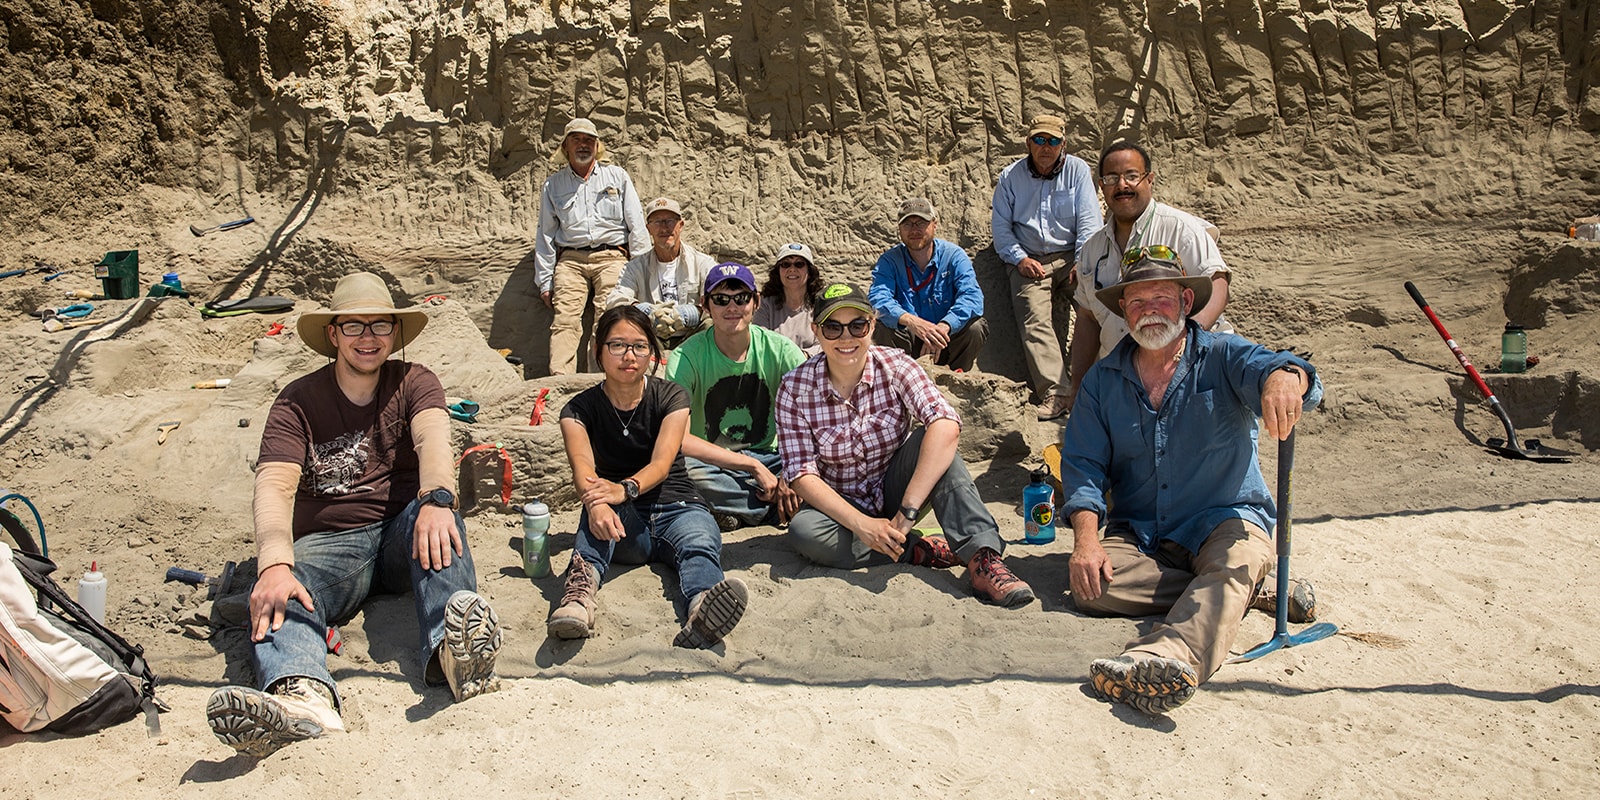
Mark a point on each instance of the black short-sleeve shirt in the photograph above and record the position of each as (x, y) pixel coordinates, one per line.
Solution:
(623, 441)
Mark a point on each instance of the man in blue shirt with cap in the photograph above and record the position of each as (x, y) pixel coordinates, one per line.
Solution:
(926, 293)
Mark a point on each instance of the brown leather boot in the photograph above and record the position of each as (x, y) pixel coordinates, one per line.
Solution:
(574, 619)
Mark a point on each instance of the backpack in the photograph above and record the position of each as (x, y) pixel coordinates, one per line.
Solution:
(60, 670)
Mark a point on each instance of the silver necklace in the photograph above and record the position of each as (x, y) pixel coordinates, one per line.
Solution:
(631, 414)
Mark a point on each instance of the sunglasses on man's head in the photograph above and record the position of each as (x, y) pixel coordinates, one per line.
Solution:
(720, 299)
(833, 330)
(1155, 252)
(1041, 139)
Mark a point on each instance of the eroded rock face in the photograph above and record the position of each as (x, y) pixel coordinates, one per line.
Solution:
(778, 118)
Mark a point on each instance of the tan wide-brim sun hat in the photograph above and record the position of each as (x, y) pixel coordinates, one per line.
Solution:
(358, 294)
(1148, 270)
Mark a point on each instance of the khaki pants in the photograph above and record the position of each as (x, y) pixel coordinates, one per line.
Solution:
(577, 274)
(1204, 595)
(1034, 303)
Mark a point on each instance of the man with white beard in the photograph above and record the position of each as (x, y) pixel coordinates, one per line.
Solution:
(1161, 450)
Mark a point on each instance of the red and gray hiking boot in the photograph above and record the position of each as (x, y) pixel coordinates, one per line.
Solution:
(932, 551)
(575, 618)
(993, 582)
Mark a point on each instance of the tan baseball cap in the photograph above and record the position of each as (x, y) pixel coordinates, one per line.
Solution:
(917, 207)
(663, 204)
(1049, 124)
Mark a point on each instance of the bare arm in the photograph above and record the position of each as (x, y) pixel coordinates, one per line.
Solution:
(1207, 316)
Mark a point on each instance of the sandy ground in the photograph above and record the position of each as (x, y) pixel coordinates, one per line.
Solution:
(1458, 579)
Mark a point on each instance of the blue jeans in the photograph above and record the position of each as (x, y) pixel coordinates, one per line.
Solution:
(968, 525)
(341, 569)
(730, 491)
(681, 534)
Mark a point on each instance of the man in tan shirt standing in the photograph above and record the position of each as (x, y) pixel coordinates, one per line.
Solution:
(590, 221)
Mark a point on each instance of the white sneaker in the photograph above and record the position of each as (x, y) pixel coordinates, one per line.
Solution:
(257, 723)
(471, 641)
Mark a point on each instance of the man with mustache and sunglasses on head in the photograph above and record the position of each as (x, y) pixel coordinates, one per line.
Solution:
(1138, 225)
(731, 372)
(1161, 450)
(869, 443)
(1044, 210)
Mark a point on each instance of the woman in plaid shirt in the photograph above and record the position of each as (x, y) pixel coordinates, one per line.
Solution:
(845, 429)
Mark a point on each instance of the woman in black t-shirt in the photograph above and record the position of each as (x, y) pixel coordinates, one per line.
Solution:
(622, 439)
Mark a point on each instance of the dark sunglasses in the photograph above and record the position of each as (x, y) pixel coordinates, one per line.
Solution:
(833, 330)
(720, 299)
(1042, 139)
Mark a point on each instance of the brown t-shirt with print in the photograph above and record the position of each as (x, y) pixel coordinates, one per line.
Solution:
(358, 463)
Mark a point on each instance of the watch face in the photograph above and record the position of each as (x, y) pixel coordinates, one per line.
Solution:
(442, 497)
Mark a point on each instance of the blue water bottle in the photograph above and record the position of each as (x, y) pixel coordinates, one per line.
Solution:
(1039, 510)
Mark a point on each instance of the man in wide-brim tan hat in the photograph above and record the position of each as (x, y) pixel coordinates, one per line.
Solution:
(352, 497)
(1163, 487)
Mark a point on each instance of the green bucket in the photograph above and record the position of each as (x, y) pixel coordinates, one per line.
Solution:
(119, 274)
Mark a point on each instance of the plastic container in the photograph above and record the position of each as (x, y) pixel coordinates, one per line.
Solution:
(1588, 231)
(92, 592)
(118, 272)
(1514, 349)
(1039, 509)
(536, 539)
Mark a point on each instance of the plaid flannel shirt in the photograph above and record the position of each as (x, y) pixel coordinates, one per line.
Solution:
(848, 443)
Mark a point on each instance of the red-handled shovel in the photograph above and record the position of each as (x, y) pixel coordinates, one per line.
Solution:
(1510, 448)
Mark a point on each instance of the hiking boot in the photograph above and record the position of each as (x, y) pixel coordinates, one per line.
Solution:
(993, 582)
(713, 614)
(1151, 684)
(471, 640)
(1302, 599)
(575, 618)
(728, 522)
(257, 723)
(1054, 407)
(933, 552)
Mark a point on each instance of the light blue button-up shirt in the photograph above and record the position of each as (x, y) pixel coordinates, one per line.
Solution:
(950, 295)
(1038, 216)
(1178, 472)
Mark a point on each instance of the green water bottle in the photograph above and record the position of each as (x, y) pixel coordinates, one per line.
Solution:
(535, 539)
(1514, 349)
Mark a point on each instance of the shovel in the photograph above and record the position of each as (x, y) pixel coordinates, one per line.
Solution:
(1509, 447)
(1281, 636)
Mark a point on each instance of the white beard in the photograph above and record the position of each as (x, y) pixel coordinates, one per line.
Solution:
(1154, 336)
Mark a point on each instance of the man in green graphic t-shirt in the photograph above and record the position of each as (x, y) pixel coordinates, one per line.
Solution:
(731, 372)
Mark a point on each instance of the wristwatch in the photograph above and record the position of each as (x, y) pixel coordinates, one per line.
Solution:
(630, 488)
(909, 512)
(440, 497)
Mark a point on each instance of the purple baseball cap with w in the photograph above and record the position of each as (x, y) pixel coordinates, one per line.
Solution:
(729, 271)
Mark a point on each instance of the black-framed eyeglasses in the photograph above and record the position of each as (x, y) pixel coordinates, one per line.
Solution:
(354, 329)
(720, 299)
(1130, 178)
(1046, 141)
(638, 349)
(833, 330)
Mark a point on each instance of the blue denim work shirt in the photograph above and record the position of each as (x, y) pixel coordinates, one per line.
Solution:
(1178, 472)
(951, 294)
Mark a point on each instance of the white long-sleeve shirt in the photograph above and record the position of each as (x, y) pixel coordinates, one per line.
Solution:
(602, 210)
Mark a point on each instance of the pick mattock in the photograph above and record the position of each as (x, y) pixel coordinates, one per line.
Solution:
(1281, 637)
(226, 226)
(1511, 447)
